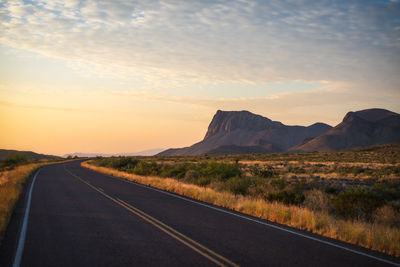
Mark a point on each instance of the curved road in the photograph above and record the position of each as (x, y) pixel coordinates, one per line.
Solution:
(79, 217)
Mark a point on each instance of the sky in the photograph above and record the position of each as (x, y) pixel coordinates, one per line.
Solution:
(125, 76)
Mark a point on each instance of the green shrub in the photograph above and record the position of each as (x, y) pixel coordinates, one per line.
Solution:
(221, 171)
(119, 163)
(238, 185)
(191, 174)
(263, 172)
(278, 183)
(176, 170)
(396, 170)
(14, 159)
(202, 181)
(144, 168)
(296, 169)
(357, 204)
(287, 197)
(356, 170)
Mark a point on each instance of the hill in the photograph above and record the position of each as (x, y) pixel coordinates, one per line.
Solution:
(358, 129)
(31, 155)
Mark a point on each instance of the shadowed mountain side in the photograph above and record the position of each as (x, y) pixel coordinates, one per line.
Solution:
(232, 149)
(235, 130)
(362, 128)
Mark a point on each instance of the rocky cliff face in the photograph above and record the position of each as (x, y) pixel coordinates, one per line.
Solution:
(229, 121)
(242, 131)
(362, 128)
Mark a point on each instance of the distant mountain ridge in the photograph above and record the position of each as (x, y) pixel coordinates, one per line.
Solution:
(31, 155)
(232, 132)
(148, 152)
(358, 129)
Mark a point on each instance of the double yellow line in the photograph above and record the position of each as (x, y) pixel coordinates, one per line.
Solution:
(199, 248)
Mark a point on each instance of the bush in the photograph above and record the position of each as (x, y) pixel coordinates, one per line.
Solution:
(220, 171)
(263, 172)
(191, 174)
(119, 163)
(356, 170)
(278, 183)
(175, 170)
(14, 159)
(238, 185)
(387, 216)
(296, 169)
(287, 197)
(317, 201)
(144, 168)
(356, 204)
(202, 181)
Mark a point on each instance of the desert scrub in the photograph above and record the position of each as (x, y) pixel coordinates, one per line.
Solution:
(317, 200)
(287, 197)
(388, 216)
(357, 204)
(263, 172)
(205, 169)
(283, 181)
(370, 235)
(238, 185)
(119, 163)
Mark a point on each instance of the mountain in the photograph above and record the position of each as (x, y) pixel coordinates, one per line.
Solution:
(233, 132)
(358, 129)
(148, 152)
(31, 155)
(86, 155)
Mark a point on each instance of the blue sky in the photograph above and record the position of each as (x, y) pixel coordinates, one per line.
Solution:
(293, 61)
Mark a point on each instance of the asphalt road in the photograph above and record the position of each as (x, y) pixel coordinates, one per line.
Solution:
(79, 217)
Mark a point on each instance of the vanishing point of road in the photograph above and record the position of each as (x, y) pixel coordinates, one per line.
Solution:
(72, 216)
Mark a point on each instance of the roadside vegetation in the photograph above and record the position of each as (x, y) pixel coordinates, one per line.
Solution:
(14, 171)
(352, 196)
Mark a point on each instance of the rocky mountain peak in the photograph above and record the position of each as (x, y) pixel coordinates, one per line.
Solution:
(360, 128)
(228, 121)
(371, 115)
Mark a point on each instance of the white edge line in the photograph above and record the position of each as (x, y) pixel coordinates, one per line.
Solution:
(21, 240)
(257, 221)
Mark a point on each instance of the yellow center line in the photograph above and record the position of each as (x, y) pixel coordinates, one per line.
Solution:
(180, 234)
(163, 227)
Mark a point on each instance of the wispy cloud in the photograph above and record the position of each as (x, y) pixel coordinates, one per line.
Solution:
(196, 41)
(326, 104)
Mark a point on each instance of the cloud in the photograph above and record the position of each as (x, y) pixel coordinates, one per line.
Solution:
(325, 104)
(176, 43)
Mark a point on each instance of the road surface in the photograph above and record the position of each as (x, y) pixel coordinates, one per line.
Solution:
(78, 217)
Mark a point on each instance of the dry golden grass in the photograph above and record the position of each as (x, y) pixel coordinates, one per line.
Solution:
(328, 163)
(377, 237)
(10, 189)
